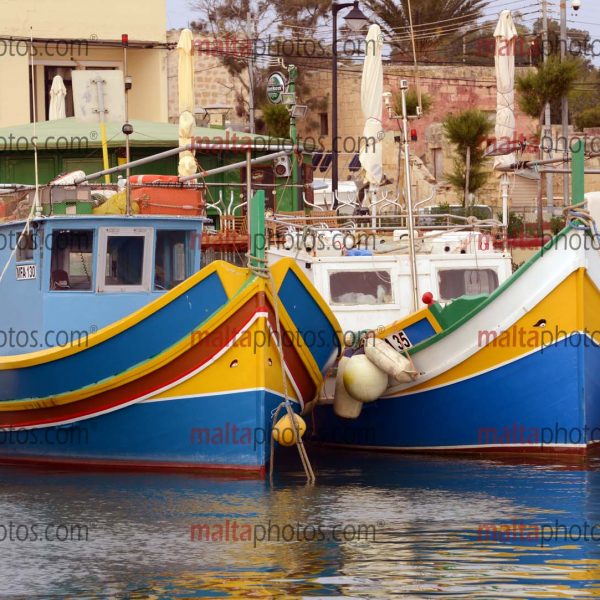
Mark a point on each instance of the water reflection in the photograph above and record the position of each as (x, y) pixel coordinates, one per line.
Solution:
(415, 527)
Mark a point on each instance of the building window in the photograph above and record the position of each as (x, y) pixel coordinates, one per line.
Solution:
(171, 262)
(71, 261)
(49, 74)
(361, 287)
(324, 123)
(454, 283)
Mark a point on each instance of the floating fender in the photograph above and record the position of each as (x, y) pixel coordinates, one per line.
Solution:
(344, 405)
(284, 432)
(390, 361)
(363, 380)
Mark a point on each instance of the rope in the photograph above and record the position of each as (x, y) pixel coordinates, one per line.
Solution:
(581, 219)
(259, 268)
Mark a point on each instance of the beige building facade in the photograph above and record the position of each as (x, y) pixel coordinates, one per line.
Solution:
(73, 35)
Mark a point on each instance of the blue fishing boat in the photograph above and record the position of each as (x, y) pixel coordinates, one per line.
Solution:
(119, 350)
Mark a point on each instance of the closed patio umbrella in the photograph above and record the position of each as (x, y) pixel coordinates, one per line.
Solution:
(58, 92)
(185, 81)
(371, 91)
(505, 35)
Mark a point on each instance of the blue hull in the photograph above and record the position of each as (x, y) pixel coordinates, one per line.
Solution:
(548, 401)
(229, 431)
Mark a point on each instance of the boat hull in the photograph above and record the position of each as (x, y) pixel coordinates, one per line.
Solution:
(518, 372)
(525, 406)
(203, 392)
(227, 432)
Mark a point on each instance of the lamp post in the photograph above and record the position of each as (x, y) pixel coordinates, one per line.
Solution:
(356, 20)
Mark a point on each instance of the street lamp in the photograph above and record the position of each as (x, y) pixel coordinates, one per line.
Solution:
(356, 20)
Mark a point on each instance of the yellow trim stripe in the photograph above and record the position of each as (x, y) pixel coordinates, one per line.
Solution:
(561, 310)
(225, 271)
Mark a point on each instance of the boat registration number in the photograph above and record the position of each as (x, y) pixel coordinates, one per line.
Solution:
(26, 272)
(399, 341)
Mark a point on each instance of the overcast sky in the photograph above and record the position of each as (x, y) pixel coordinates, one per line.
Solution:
(180, 13)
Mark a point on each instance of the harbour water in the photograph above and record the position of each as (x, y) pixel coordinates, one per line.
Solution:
(373, 526)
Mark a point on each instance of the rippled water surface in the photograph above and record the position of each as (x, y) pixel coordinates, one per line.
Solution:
(383, 527)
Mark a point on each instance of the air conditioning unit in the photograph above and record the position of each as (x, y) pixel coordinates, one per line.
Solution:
(282, 167)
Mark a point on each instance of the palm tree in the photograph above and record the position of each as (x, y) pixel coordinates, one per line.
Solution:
(467, 130)
(436, 22)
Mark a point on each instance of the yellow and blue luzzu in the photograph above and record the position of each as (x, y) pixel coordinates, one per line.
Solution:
(513, 372)
(118, 350)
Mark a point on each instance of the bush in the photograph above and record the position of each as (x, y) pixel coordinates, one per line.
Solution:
(412, 101)
(516, 227)
(277, 120)
(557, 224)
(590, 117)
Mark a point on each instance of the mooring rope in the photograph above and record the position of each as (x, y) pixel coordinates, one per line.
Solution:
(259, 267)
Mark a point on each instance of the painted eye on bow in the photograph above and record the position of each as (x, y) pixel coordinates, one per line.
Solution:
(541, 323)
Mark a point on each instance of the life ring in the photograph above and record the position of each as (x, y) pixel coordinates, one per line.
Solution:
(484, 242)
(141, 179)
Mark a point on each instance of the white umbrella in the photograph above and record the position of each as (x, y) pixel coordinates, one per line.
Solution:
(58, 91)
(185, 80)
(371, 91)
(505, 35)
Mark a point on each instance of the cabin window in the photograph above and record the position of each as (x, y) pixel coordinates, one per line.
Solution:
(124, 256)
(361, 287)
(171, 262)
(71, 261)
(25, 247)
(459, 282)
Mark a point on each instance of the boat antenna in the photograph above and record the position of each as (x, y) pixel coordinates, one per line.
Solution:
(408, 197)
(416, 64)
(36, 208)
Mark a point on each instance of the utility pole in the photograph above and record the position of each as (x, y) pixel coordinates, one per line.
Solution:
(292, 76)
(251, 33)
(547, 131)
(565, 101)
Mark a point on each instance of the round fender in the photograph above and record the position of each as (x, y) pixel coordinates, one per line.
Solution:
(363, 380)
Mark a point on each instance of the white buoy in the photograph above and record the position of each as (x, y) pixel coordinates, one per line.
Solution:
(381, 354)
(363, 380)
(344, 405)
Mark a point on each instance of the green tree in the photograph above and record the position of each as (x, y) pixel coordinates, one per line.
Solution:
(549, 82)
(272, 22)
(590, 117)
(277, 120)
(412, 101)
(467, 130)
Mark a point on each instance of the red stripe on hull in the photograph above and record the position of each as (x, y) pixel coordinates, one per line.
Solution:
(236, 471)
(198, 354)
(545, 452)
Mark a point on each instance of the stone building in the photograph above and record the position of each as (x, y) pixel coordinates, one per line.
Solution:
(213, 84)
(451, 89)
